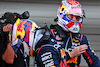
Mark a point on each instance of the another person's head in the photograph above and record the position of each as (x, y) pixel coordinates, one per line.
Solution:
(70, 16)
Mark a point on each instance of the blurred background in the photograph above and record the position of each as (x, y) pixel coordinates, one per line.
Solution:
(44, 11)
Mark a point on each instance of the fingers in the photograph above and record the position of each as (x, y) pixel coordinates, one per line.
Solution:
(82, 48)
(75, 52)
(7, 28)
(78, 50)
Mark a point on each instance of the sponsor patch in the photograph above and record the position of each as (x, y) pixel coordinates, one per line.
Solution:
(47, 59)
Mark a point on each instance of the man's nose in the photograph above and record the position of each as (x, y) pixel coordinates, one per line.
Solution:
(74, 18)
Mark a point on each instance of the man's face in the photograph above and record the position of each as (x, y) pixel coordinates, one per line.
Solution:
(74, 18)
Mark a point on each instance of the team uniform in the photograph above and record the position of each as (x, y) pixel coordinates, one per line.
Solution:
(55, 51)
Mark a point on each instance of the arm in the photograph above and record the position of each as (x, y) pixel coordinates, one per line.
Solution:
(89, 56)
(8, 55)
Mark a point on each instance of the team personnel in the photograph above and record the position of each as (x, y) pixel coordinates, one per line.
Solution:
(8, 57)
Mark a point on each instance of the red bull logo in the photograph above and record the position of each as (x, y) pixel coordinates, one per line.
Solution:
(20, 26)
(20, 30)
(23, 30)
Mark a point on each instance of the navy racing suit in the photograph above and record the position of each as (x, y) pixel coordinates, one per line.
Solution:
(54, 52)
